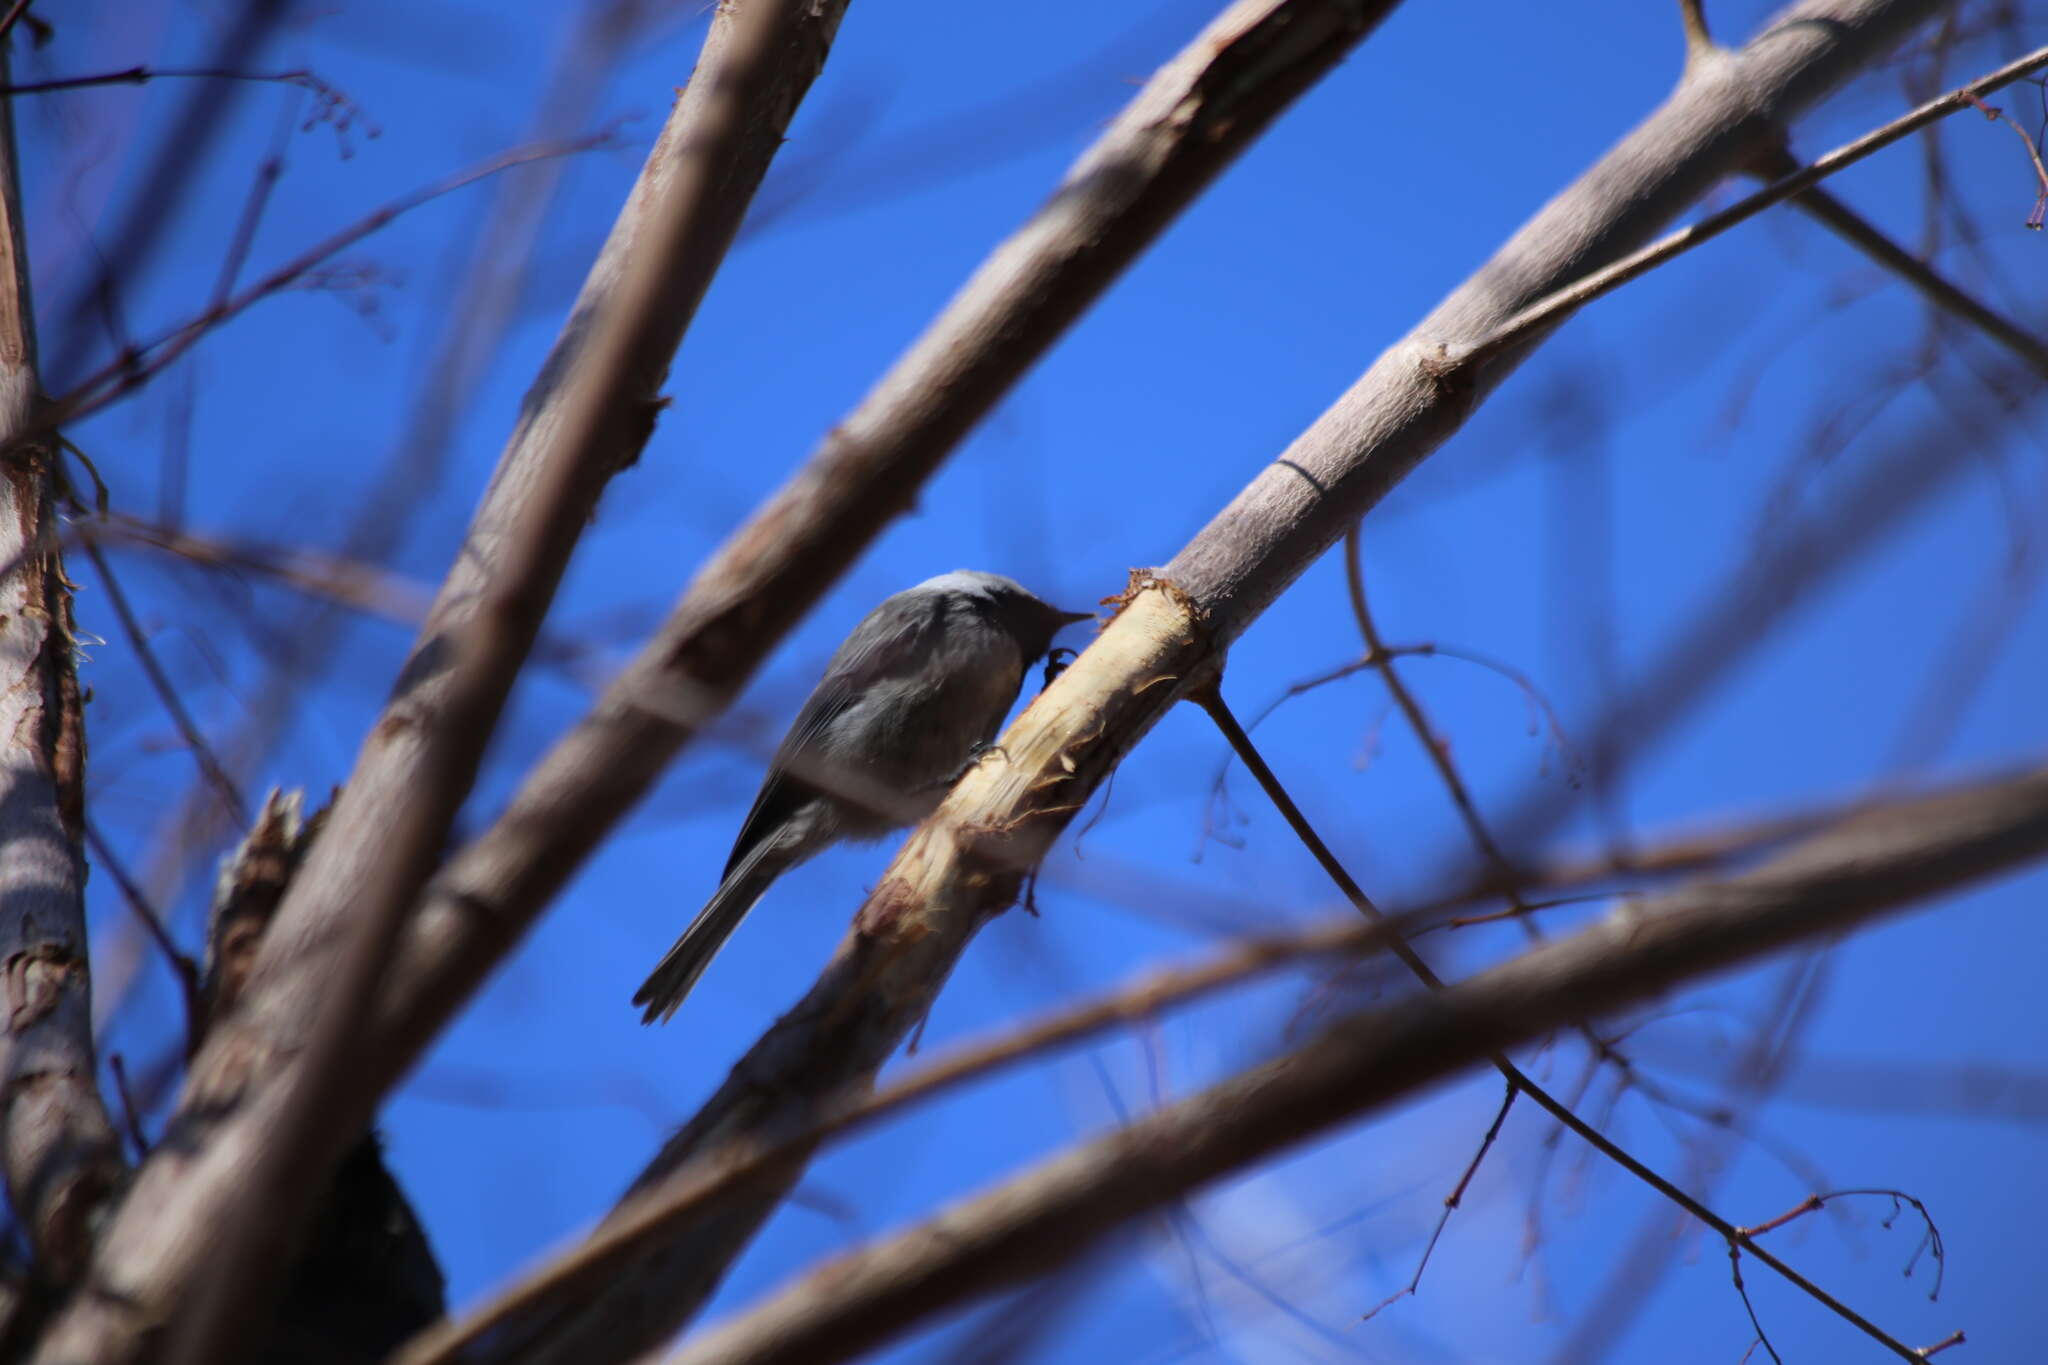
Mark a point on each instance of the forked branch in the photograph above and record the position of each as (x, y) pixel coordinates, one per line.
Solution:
(1059, 1208)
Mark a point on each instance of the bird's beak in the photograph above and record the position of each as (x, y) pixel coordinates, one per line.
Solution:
(1073, 618)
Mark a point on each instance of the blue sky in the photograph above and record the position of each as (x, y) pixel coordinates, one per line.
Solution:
(1604, 499)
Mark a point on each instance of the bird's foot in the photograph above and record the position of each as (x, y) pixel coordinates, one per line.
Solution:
(974, 758)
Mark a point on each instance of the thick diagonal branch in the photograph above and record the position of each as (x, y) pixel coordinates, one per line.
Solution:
(1189, 122)
(1144, 998)
(1058, 1210)
(948, 881)
(282, 1088)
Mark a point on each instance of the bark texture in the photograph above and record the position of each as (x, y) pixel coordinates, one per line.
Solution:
(58, 1150)
(961, 867)
(282, 1088)
(1058, 1209)
(1190, 121)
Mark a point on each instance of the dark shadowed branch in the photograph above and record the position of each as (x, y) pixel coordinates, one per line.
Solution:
(252, 1134)
(1853, 228)
(498, 266)
(1914, 466)
(138, 364)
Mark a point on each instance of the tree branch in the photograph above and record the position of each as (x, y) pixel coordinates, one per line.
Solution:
(348, 583)
(1546, 312)
(1422, 389)
(656, 1210)
(58, 1151)
(962, 866)
(1060, 1208)
(498, 262)
(1915, 467)
(281, 1089)
(216, 777)
(138, 364)
(1928, 282)
(146, 219)
(1188, 123)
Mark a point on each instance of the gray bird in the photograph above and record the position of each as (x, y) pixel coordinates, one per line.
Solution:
(916, 691)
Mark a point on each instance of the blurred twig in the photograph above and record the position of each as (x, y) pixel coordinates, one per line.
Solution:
(167, 691)
(183, 968)
(657, 1206)
(353, 584)
(1058, 1209)
(1916, 464)
(1501, 872)
(141, 363)
(1860, 233)
(1554, 308)
(2040, 209)
(494, 268)
(152, 211)
(284, 1086)
(958, 869)
(491, 282)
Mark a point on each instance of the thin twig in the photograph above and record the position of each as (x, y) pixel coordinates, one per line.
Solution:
(652, 1211)
(14, 13)
(1451, 1203)
(268, 172)
(1937, 289)
(1211, 700)
(1554, 307)
(1640, 1265)
(1521, 908)
(1377, 658)
(138, 75)
(1373, 659)
(186, 141)
(181, 964)
(138, 364)
(1798, 1210)
(167, 692)
(1692, 18)
(129, 1112)
(360, 587)
(2033, 155)
(1742, 1291)
(1930, 1241)
(1507, 879)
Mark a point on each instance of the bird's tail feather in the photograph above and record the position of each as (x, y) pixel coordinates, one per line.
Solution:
(680, 967)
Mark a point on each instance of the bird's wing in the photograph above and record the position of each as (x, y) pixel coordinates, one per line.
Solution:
(866, 658)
